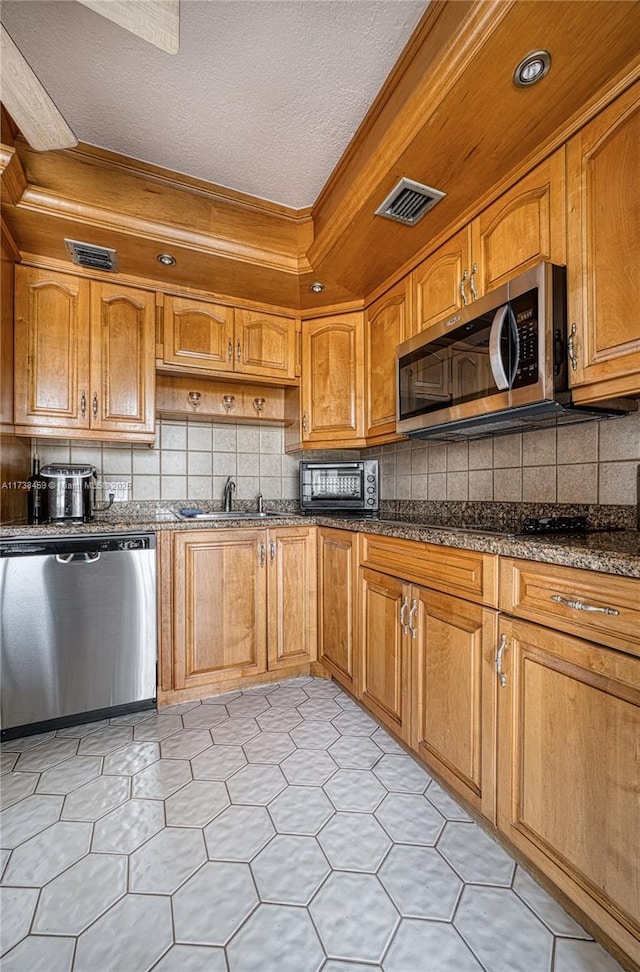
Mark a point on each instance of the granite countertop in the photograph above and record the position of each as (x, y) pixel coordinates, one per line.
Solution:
(616, 552)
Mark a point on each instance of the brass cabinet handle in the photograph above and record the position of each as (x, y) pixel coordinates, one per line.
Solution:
(304, 422)
(571, 347)
(95, 404)
(263, 554)
(83, 403)
(472, 286)
(272, 552)
(239, 351)
(230, 350)
(412, 613)
(499, 654)
(403, 619)
(580, 606)
(463, 294)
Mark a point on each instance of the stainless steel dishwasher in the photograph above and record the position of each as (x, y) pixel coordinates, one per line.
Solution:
(77, 629)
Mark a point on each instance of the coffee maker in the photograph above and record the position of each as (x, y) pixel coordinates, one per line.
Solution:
(67, 492)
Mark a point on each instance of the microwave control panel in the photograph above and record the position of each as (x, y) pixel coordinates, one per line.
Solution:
(526, 327)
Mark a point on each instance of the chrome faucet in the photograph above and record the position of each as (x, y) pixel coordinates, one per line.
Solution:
(229, 489)
(260, 503)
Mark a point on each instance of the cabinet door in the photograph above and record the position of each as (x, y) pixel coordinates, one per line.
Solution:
(292, 602)
(440, 285)
(265, 344)
(219, 624)
(332, 379)
(337, 578)
(122, 359)
(385, 328)
(51, 350)
(453, 694)
(198, 334)
(604, 249)
(569, 770)
(384, 646)
(524, 226)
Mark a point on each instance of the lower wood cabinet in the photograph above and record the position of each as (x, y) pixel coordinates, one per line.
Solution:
(569, 771)
(384, 640)
(337, 596)
(453, 692)
(243, 602)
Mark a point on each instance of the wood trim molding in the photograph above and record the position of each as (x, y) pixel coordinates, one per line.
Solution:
(13, 178)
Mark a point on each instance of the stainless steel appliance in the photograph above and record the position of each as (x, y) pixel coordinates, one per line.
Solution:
(499, 365)
(347, 487)
(67, 492)
(77, 630)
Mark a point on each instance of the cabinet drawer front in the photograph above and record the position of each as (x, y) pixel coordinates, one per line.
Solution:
(470, 574)
(578, 601)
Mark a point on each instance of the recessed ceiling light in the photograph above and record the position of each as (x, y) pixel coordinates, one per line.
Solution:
(532, 69)
(316, 287)
(166, 259)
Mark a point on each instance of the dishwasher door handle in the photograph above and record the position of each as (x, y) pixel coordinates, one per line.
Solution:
(74, 558)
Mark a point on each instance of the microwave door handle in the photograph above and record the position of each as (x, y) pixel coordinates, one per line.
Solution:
(495, 358)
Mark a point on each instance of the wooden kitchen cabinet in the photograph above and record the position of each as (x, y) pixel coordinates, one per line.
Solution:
(220, 606)
(569, 771)
(292, 597)
(524, 226)
(210, 338)
(604, 252)
(385, 649)
(385, 327)
(427, 656)
(84, 358)
(332, 385)
(453, 693)
(242, 604)
(337, 598)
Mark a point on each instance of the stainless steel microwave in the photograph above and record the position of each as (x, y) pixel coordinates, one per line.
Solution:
(345, 487)
(497, 366)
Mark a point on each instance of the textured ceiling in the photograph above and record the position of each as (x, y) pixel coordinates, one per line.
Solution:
(263, 97)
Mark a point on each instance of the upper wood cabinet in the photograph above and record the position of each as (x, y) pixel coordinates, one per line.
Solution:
(198, 334)
(333, 380)
(84, 358)
(525, 225)
(385, 327)
(604, 251)
(206, 337)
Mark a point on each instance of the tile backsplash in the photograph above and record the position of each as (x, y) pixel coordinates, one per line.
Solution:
(594, 462)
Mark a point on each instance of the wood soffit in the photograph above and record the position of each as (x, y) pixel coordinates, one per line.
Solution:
(435, 120)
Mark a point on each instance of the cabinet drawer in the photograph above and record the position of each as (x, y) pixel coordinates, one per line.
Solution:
(600, 607)
(470, 574)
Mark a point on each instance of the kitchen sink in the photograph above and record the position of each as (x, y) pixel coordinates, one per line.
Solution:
(231, 515)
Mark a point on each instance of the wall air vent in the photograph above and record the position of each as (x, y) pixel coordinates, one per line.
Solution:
(91, 256)
(409, 201)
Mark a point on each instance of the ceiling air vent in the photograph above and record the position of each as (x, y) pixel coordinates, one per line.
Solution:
(93, 257)
(409, 201)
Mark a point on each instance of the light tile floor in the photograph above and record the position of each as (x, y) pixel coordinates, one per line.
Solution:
(278, 829)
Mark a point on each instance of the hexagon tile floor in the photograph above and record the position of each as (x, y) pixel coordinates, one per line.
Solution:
(278, 829)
